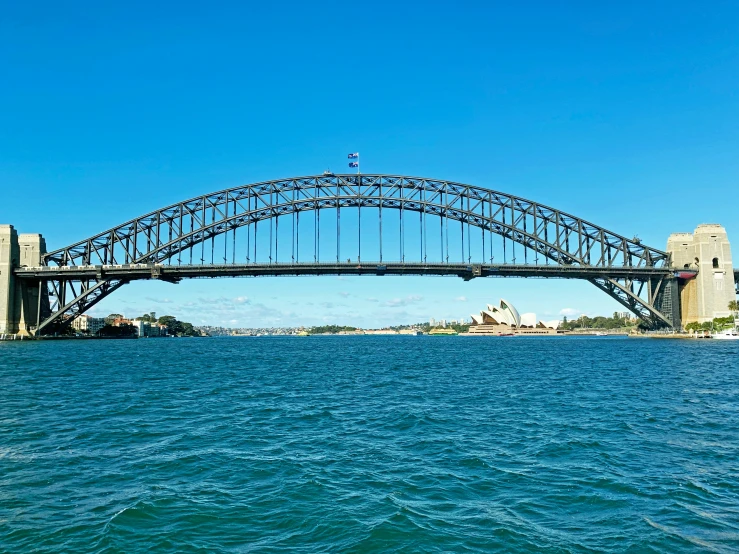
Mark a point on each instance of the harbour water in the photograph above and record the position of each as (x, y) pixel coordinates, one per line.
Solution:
(369, 444)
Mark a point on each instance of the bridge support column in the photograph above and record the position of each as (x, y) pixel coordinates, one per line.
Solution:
(708, 251)
(667, 301)
(9, 256)
(20, 300)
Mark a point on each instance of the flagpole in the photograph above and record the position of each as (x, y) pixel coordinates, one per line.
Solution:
(355, 156)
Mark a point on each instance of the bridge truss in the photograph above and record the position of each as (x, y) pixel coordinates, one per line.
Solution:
(379, 224)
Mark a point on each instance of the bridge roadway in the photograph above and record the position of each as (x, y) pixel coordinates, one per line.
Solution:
(174, 273)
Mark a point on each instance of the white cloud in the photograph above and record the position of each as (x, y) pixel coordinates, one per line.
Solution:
(569, 312)
(397, 302)
(221, 300)
(344, 294)
(461, 299)
(159, 300)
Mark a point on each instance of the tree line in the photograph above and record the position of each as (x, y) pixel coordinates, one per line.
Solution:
(718, 323)
(329, 329)
(597, 322)
(174, 326)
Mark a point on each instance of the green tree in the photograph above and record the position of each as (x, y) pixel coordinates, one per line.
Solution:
(721, 323)
(597, 322)
(329, 329)
(167, 320)
(111, 318)
(151, 317)
(178, 328)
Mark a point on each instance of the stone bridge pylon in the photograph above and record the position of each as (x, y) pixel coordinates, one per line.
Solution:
(22, 305)
(706, 251)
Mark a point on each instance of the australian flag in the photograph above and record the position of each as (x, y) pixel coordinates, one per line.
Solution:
(353, 164)
(353, 156)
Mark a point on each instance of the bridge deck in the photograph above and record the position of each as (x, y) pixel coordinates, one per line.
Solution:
(465, 271)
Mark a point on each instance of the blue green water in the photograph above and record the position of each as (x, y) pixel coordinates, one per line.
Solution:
(369, 444)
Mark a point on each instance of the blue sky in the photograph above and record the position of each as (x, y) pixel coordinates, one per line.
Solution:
(622, 113)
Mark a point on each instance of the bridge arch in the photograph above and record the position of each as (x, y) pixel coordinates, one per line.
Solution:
(160, 235)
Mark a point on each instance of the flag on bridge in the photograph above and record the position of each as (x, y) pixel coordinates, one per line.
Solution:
(353, 156)
(353, 164)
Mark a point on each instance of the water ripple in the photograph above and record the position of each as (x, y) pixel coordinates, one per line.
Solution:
(357, 444)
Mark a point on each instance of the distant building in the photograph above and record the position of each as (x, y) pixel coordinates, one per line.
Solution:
(85, 323)
(146, 329)
(139, 326)
(432, 322)
(380, 332)
(505, 319)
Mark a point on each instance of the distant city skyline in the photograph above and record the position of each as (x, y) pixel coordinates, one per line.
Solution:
(342, 308)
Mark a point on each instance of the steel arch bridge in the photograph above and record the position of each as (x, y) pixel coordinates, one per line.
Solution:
(217, 235)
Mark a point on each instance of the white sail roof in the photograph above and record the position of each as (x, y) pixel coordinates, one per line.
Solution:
(508, 307)
(505, 314)
(528, 319)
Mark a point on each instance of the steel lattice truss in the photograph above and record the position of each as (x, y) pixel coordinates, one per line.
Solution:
(163, 235)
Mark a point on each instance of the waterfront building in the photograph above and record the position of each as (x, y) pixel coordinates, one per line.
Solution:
(380, 332)
(139, 325)
(87, 324)
(118, 321)
(146, 329)
(504, 319)
(442, 331)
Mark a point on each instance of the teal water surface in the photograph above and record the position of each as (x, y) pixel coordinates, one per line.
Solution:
(369, 444)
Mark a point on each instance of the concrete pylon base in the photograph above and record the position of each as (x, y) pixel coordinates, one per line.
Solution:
(708, 251)
(19, 300)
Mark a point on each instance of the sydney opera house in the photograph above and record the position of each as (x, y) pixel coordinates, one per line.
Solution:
(504, 319)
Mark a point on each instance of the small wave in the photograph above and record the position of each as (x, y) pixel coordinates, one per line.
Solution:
(688, 538)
